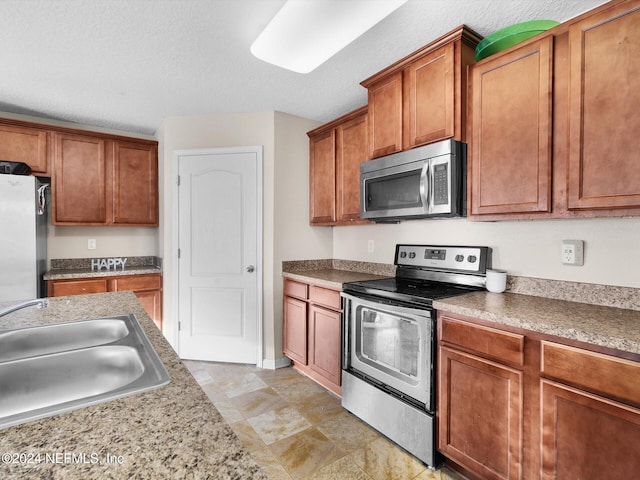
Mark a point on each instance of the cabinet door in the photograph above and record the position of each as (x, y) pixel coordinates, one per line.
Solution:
(135, 184)
(604, 104)
(59, 288)
(480, 423)
(79, 180)
(24, 144)
(151, 301)
(325, 342)
(511, 131)
(586, 436)
(295, 329)
(322, 179)
(351, 151)
(429, 115)
(385, 116)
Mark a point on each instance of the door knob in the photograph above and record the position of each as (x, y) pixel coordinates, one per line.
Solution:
(251, 269)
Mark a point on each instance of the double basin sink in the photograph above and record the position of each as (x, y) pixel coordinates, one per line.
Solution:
(52, 369)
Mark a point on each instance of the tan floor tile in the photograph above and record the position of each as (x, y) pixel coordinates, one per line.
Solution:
(317, 408)
(297, 389)
(342, 469)
(384, 461)
(277, 375)
(213, 392)
(305, 453)
(239, 384)
(347, 431)
(270, 465)
(248, 436)
(256, 403)
(430, 475)
(222, 371)
(278, 424)
(228, 412)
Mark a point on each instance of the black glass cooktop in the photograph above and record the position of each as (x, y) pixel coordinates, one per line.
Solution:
(420, 292)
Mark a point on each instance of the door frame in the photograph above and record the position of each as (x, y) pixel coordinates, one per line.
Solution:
(175, 236)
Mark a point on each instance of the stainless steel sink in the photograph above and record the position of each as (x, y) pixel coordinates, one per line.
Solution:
(48, 370)
(30, 342)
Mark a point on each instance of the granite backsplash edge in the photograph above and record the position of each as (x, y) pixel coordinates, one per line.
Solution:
(589, 293)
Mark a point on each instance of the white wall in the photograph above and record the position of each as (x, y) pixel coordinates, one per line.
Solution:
(527, 248)
(286, 163)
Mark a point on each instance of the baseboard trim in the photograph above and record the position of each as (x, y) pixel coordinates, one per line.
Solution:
(281, 362)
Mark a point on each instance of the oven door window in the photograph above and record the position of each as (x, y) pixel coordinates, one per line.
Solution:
(391, 343)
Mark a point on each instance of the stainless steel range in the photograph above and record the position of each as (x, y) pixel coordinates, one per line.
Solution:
(389, 351)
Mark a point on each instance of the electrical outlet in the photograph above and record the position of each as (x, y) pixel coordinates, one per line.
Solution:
(370, 246)
(573, 252)
(91, 244)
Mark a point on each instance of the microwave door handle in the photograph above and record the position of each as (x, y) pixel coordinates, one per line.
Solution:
(432, 186)
(425, 187)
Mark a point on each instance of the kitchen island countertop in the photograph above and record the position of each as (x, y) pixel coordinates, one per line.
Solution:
(609, 327)
(171, 432)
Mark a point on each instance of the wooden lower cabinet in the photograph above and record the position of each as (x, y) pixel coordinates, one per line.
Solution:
(312, 332)
(516, 404)
(147, 288)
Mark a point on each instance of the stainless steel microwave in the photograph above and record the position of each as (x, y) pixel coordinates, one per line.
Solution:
(424, 182)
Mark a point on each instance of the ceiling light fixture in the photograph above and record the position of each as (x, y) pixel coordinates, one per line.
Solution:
(306, 33)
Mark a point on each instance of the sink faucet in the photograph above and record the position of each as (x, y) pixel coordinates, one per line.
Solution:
(39, 302)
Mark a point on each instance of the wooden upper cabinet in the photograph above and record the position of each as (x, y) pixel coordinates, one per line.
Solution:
(24, 144)
(135, 184)
(385, 116)
(351, 151)
(79, 180)
(604, 96)
(322, 178)
(511, 131)
(102, 181)
(429, 112)
(336, 150)
(421, 98)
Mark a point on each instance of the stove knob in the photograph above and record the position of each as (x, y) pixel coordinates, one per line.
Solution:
(472, 258)
(403, 254)
(412, 255)
(459, 258)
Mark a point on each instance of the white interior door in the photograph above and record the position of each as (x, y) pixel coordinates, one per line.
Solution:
(219, 264)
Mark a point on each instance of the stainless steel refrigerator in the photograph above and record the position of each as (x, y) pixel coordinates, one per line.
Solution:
(23, 237)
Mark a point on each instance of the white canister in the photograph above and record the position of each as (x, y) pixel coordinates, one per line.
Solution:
(496, 280)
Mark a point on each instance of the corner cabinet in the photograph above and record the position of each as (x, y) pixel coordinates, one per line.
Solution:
(312, 332)
(421, 98)
(104, 181)
(146, 287)
(553, 123)
(336, 150)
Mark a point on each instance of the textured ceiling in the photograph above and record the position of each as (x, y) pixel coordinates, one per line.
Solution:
(127, 64)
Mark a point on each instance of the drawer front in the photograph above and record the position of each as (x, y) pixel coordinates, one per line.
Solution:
(137, 283)
(505, 346)
(325, 296)
(604, 374)
(78, 287)
(296, 289)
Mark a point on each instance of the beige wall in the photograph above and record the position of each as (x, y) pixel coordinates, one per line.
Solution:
(528, 248)
(285, 168)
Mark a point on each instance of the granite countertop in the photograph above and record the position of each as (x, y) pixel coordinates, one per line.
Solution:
(611, 327)
(171, 432)
(329, 277)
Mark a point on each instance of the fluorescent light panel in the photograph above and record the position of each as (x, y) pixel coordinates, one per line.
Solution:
(306, 33)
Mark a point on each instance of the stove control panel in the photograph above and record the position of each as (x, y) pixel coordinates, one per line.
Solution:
(450, 258)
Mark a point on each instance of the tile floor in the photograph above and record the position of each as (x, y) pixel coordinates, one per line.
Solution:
(297, 430)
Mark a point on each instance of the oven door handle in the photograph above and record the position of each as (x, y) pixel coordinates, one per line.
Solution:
(425, 313)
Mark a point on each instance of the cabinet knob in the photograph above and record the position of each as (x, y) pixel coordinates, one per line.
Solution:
(251, 269)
